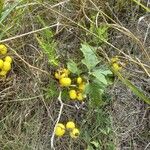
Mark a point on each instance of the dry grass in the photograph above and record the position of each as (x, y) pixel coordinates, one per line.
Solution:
(29, 103)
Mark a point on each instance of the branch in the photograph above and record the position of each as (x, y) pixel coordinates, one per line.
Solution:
(57, 120)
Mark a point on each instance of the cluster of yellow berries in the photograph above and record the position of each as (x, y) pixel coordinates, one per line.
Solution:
(5, 63)
(60, 129)
(115, 64)
(78, 92)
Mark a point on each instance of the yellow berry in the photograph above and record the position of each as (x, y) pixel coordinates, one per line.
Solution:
(8, 59)
(70, 125)
(79, 80)
(3, 49)
(63, 75)
(75, 133)
(3, 73)
(116, 67)
(73, 94)
(59, 130)
(65, 81)
(6, 66)
(66, 71)
(57, 76)
(1, 63)
(82, 86)
(114, 59)
(80, 97)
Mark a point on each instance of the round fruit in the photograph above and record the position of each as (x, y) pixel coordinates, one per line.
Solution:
(6, 66)
(82, 86)
(57, 76)
(60, 130)
(66, 71)
(8, 59)
(80, 96)
(63, 75)
(116, 67)
(73, 94)
(70, 125)
(79, 80)
(3, 73)
(3, 49)
(1, 63)
(65, 81)
(114, 59)
(75, 133)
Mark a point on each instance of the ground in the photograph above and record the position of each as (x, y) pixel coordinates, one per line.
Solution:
(42, 36)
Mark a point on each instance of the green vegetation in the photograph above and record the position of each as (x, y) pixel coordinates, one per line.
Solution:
(77, 75)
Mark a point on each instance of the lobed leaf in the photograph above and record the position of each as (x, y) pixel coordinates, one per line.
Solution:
(90, 59)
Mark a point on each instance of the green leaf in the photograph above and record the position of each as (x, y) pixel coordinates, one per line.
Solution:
(105, 72)
(49, 49)
(95, 91)
(1, 6)
(90, 59)
(101, 77)
(90, 147)
(133, 88)
(102, 32)
(95, 143)
(8, 11)
(72, 66)
(48, 34)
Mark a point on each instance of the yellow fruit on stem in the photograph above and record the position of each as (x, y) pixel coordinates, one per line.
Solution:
(80, 97)
(66, 71)
(114, 59)
(73, 94)
(1, 63)
(75, 133)
(3, 73)
(116, 67)
(82, 86)
(57, 76)
(70, 125)
(79, 80)
(3, 49)
(60, 130)
(6, 66)
(65, 81)
(8, 59)
(63, 75)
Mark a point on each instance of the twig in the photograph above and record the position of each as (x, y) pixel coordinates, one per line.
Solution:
(28, 33)
(57, 120)
(29, 65)
(147, 146)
